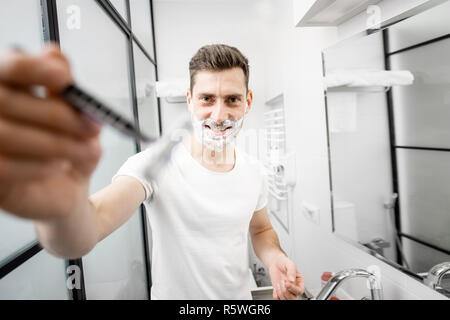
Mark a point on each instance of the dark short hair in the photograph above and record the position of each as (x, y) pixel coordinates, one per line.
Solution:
(218, 57)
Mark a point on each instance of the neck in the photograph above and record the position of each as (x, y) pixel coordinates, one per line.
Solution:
(222, 161)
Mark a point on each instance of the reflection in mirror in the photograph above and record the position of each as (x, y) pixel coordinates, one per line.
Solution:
(388, 99)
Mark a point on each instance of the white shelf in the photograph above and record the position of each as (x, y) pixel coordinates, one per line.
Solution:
(374, 89)
(319, 13)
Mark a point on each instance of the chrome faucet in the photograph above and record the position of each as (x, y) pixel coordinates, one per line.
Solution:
(336, 280)
(435, 275)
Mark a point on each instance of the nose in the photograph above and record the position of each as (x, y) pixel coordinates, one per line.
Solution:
(219, 113)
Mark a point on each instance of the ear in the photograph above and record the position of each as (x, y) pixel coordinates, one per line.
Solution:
(249, 101)
(189, 100)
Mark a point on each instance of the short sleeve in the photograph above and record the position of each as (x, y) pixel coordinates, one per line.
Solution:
(137, 167)
(263, 191)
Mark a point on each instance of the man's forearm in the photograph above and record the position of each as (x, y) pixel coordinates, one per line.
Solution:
(266, 246)
(70, 237)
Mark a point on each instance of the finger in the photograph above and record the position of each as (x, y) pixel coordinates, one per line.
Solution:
(280, 291)
(290, 296)
(48, 69)
(18, 170)
(285, 293)
(291, 270)
(17, 140)
(49, 113)
(53, 50)
(300, 281)
(278, 288)
(275, 294)
(294, 289)
(281, 294)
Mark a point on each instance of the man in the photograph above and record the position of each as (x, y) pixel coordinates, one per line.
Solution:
(203, 203)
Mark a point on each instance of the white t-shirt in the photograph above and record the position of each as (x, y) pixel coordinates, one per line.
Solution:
(200, 224)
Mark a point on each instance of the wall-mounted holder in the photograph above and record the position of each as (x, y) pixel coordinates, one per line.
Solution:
(363, 90)
(176, 100)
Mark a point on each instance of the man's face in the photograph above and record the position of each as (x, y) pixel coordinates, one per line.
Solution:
(220, 95)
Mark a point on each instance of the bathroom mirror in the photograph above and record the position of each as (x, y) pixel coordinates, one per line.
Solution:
(388, 120)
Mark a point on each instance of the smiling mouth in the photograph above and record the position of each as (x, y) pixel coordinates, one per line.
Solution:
(218, 132)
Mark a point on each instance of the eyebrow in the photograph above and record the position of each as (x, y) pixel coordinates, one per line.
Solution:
(228, 96)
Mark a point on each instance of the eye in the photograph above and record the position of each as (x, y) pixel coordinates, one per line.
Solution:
(207, 99)
(234, 100)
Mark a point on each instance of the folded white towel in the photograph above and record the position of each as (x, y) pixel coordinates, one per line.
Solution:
(368, 78)
(172, 89)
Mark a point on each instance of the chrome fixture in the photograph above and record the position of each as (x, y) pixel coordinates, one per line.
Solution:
(378, 245)
(260, 275)
(435, 275)
(336, 280)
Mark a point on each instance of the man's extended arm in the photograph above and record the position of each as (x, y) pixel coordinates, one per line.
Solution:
(264, 239)
(286, 279)
(105, 211)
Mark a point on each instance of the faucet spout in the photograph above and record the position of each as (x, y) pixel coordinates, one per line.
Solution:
(435, 275)
(335, 281)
